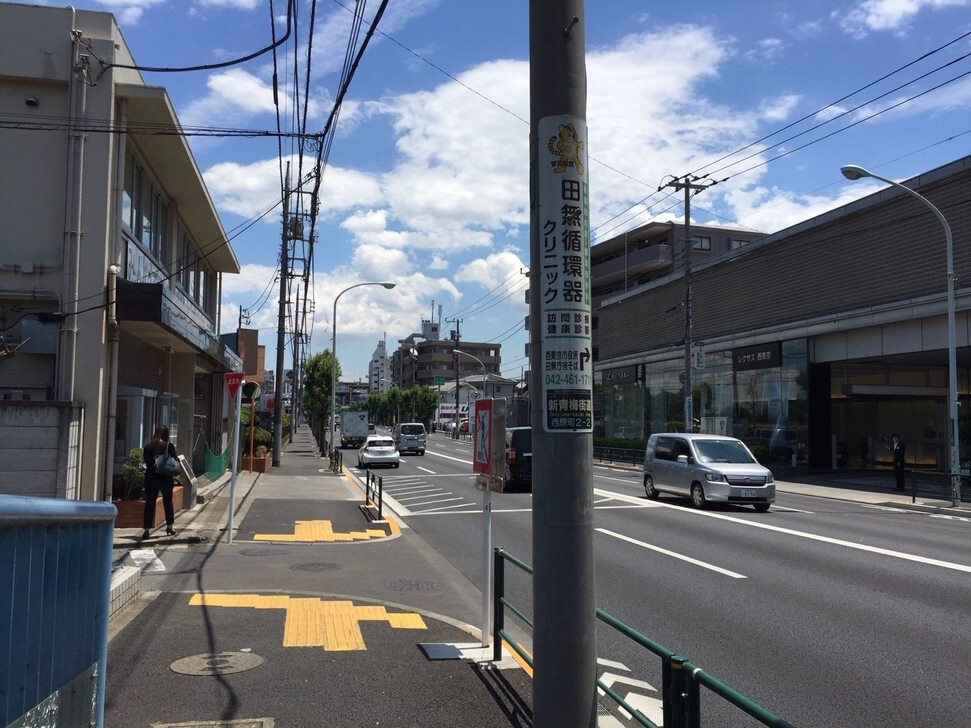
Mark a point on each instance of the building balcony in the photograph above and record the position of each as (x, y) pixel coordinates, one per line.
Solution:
(646, 260)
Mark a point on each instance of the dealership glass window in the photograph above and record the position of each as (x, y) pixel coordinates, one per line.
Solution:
(766, 408)
(160, 228)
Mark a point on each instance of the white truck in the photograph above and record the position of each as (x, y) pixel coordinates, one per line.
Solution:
(354, 428)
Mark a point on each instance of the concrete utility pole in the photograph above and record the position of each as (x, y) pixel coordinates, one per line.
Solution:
(688, 186)
(455, 360)
(561, 386)
(281, 328)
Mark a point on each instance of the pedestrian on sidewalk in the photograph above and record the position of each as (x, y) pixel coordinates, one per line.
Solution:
(897, 450)
(157, 481)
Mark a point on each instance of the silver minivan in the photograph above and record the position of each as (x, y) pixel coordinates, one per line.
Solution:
(706, 468)
(410, 437)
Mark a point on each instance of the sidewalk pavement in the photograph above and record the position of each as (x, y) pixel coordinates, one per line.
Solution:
(313, 616)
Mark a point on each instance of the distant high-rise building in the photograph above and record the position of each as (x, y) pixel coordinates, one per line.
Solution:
(379, 370)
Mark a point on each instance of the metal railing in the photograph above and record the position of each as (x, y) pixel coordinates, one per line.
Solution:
(681, 679)
(55, 565)
(618, 455)
(336, 461)
(938, 485)
(374, 493)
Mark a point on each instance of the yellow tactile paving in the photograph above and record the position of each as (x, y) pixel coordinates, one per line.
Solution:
(322, 531)
(311, 622)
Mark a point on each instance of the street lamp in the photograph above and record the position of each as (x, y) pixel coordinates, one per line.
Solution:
(333, 351)
(485, 376)
(854, 172)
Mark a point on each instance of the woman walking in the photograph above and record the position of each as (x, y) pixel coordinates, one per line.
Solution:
(158, 482)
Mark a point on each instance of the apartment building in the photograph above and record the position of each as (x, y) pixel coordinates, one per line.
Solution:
(111, 262)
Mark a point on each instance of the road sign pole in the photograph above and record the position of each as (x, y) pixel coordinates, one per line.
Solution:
(561, 370)
(232, 481)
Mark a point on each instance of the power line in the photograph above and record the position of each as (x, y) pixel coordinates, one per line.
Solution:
(291, 16)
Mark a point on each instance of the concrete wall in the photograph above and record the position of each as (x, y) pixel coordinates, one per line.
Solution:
(40, 449)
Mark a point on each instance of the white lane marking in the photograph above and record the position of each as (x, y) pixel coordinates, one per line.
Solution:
(448, 457)
(888, 509)
(806, 535)
(445, 508)
(410, 491)
(412, 488)
(610, 663)
(430, 472)
(476, 512)
(441, 500)
(777, 507)
(948, 517)
(433, 492)
(673, 554)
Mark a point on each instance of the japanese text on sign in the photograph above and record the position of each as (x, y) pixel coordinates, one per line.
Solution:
(564, 275)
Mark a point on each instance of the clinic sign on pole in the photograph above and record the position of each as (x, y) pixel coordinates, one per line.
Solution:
(564, 275)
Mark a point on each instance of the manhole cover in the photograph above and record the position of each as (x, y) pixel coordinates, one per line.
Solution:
(322, 566)
(264, 552)
(219, 663)
(413, 585)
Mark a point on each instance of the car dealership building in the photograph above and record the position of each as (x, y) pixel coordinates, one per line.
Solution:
(813, 344)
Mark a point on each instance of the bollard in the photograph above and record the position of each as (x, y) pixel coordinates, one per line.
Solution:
(381, 498)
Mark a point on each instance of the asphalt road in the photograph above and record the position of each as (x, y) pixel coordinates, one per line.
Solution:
(829, 613)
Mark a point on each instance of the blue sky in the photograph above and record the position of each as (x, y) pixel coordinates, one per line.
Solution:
(427, 180)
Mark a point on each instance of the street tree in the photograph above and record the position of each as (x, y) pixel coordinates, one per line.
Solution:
(316, 389)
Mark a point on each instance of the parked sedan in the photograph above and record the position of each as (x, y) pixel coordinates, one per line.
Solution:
(377, 450)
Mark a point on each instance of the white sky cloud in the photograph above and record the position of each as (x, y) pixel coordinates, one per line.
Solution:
(767, 50)
(887, 15)
(248, 189)
(779, 109)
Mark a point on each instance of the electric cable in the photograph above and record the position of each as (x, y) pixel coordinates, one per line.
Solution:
(291, 12)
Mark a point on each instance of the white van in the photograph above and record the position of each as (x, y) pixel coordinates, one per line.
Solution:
(706, 468)
(410, 437)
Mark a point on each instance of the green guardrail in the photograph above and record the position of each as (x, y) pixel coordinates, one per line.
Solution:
(618, 455)
(681, 679)
(374, 493)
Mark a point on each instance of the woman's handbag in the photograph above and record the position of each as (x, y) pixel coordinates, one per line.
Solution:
(165, 464)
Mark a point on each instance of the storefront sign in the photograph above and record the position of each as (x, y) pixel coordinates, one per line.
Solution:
(564, 275)
(620, 375)
(762, 356)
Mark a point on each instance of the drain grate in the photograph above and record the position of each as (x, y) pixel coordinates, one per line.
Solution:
(264, 552)
(219, 663)
(320, 566)
(414, 585)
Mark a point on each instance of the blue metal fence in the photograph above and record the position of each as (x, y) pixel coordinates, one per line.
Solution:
(55, 583)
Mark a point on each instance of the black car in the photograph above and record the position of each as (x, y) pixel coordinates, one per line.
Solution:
(519, 456)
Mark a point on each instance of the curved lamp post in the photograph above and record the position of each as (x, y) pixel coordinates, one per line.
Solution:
(333, 351)
(854, 172)
(485, 376)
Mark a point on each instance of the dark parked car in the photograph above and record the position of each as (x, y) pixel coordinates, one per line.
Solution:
(519, 456)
